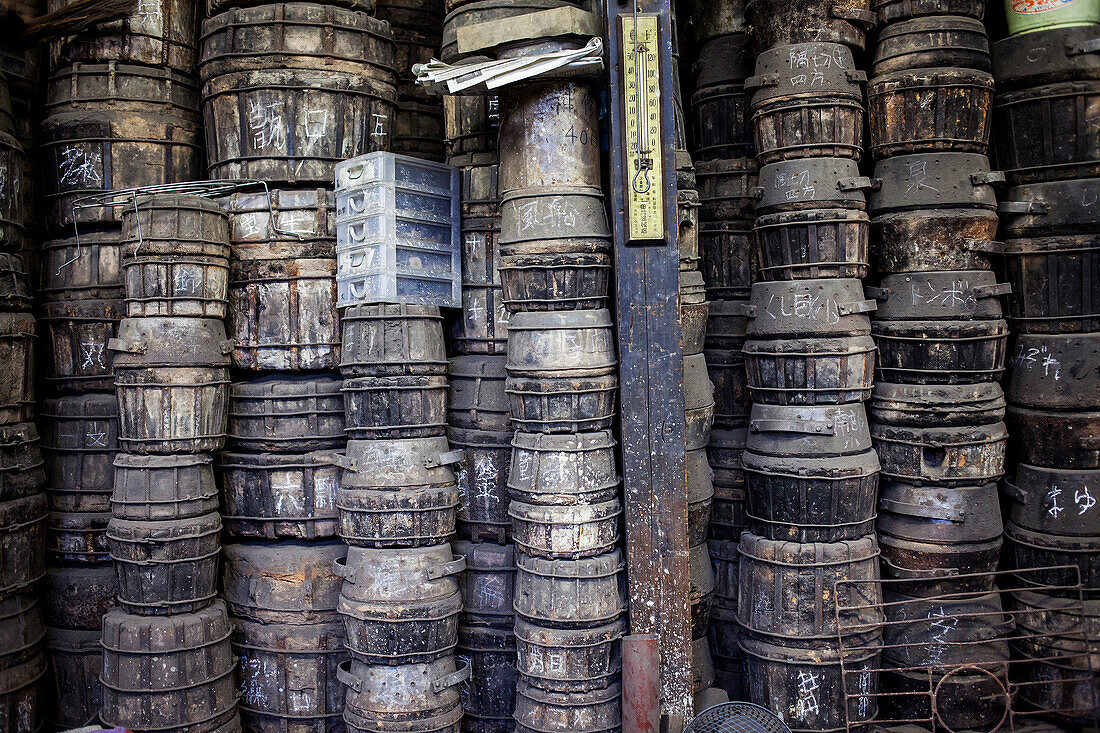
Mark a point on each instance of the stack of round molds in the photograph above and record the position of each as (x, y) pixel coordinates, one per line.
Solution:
(171, 366)
(478, 425)
(397, 502)
(1045, 139)
(561, 388)
(23, 504)
(810, 471)
(937, 411)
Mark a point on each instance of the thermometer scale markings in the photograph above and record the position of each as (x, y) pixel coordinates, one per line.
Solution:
(642, 88)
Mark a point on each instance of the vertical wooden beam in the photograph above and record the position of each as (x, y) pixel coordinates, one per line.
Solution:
(652, 392)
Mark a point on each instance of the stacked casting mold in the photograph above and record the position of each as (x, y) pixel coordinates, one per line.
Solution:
(398, 496)
(699, 402)
(937, 412)
(477, 424)
(289, 90)
(1045, 119)
(417, 32)
(121, 110)
(279, 505)
(561, 388)
(720, 140)
(23, 505)
(810, 470)
(167, 661)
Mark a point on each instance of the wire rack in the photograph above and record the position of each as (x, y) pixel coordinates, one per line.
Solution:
(132, 197)
(1010, 688)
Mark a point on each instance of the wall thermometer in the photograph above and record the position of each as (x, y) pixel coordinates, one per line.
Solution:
(644, 185)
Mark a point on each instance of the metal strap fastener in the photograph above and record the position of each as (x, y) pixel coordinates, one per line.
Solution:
(992, 291)
(454, 678)
(762, 80)
(854, 308)
(927, 511)
(858, 183)
(324, 458)
(1016, 493)
(1023, 207)
(865, 18)
(988, 246)
(987, 177)
(128, 347)
(435, 572)
(1090, 46)
(343, 673)
(449, 458)
(877, 293)
(807, 427)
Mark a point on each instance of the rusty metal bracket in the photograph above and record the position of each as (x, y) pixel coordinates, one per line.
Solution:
(1023, 207)
(980, 179)
(1092, 46)
(454, 678)
(988, 246)
(446, 459)
(435, 572)
(867, 18)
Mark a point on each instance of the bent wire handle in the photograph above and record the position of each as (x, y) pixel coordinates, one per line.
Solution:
(343, 673)
(454, 678)
(449, 458)
(435, 572)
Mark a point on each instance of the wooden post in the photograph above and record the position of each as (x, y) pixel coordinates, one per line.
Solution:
(652, 392)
